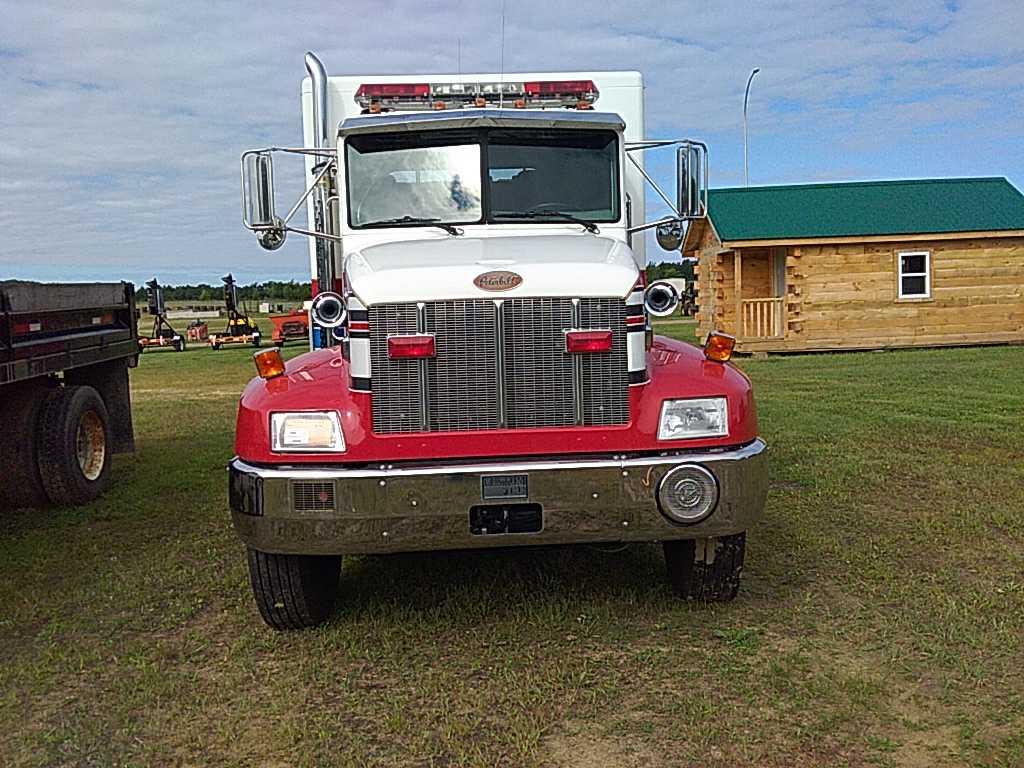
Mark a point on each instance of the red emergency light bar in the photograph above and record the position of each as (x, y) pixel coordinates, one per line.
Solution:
(415, 345)
(578, 88)
(584, 342)
(573, 94)
(368, 91)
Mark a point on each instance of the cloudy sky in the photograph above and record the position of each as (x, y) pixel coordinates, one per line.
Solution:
(121, 124)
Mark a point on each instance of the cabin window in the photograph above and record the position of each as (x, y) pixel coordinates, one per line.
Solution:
(915, 274)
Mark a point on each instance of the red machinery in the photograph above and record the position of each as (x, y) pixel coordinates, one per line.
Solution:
(292, 326)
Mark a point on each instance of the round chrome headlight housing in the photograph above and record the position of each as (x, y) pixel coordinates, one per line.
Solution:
(687, 494)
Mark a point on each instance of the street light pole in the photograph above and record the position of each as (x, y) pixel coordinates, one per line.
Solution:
(746, 96)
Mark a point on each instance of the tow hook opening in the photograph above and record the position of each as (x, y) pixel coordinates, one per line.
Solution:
(488, 519)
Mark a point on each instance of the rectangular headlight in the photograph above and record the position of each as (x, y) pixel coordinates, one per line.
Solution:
(310, 432)
(698, 417)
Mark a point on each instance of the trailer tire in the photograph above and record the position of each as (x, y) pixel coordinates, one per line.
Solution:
(179, 345)
(294, 591)
(693, 579)
(74, 445)
(20, 406)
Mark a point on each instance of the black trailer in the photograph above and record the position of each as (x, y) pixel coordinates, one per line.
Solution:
(65, 351)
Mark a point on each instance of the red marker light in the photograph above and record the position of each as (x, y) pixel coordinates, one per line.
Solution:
(585, 342)
(419, 345)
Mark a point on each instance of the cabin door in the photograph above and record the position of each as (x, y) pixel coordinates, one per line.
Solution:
(778, 272)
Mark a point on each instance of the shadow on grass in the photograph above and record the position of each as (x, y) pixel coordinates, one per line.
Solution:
(483, 585)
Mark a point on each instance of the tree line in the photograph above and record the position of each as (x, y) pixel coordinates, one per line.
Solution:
(270, 290)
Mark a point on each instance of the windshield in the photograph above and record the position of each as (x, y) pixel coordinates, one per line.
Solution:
(541, 175)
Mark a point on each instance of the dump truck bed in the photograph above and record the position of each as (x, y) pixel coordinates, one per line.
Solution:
(46, 328)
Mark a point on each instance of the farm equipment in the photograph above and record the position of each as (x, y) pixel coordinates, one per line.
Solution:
(240, 329)
(163, 335)
(198, 331)
(293, 326)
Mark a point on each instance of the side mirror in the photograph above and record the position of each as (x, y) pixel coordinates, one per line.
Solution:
(258, 212)
(692, 179)
(670, 235)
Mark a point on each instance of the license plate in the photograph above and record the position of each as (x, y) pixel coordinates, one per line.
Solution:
(504, 487)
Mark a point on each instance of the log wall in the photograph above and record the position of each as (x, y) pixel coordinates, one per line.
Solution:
(844, 296)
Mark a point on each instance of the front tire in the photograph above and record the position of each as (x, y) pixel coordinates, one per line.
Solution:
(74, 445)
(714, 576)
(294, 591)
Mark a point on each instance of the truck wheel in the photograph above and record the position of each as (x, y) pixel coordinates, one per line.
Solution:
(19, 418)
(74, 445)
(294, 591)
(697, 579)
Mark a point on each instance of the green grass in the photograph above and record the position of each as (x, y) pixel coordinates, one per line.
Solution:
(880, 621)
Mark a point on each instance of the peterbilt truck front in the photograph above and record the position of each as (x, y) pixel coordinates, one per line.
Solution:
(484, 372)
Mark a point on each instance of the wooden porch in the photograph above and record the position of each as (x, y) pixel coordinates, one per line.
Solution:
(759, 293)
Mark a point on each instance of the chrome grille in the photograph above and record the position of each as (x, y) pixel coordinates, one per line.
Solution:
(605, 378)
(473, 373)
(538, 372)
(396, 400)
(463, 377)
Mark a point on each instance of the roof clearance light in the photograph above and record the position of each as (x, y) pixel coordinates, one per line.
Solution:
(584, 342)
(411, 346)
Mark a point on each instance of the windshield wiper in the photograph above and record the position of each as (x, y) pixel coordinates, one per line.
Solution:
(449, 228)
(587, 225)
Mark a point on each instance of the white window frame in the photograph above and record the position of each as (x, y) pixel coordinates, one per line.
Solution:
(927, 275)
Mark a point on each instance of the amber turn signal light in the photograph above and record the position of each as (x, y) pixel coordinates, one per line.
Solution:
(269, 363)
(719, 346)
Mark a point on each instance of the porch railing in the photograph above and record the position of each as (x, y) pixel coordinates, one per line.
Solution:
(762, 318)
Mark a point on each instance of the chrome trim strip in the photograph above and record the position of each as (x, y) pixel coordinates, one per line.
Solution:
(421, 328)
(577, 367)
(499, 339)
(390, 471)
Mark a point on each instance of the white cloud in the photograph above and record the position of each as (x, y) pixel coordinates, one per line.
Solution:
(120, 127)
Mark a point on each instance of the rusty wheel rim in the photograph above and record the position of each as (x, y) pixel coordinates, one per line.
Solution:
(90, 445)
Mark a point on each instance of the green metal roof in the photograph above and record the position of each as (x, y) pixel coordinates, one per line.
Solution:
(924, 206)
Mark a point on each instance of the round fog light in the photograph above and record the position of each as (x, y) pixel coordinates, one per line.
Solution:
(687, 494)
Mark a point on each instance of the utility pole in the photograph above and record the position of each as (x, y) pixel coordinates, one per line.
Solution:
(746, 97)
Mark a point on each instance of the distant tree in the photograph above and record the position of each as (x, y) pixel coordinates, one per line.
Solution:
(667, 269)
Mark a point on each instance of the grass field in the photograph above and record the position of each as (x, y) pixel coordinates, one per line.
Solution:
(881, 621)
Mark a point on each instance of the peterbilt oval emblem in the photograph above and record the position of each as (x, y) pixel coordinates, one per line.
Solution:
(499, 280)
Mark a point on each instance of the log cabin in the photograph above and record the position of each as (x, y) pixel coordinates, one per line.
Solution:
(862, 265)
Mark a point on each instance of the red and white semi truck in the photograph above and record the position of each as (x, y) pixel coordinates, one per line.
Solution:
(484, 371)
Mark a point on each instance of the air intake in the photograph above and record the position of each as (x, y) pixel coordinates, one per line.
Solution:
(309, 496)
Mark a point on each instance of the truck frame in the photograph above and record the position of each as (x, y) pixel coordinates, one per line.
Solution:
(484, 372)
(65, 406)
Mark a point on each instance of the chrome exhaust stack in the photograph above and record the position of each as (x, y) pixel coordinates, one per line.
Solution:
(324, 197)
(318, 77)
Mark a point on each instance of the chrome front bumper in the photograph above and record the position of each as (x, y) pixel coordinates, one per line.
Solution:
(409, 507)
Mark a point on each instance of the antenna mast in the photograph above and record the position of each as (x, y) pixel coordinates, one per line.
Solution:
(501, 60)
